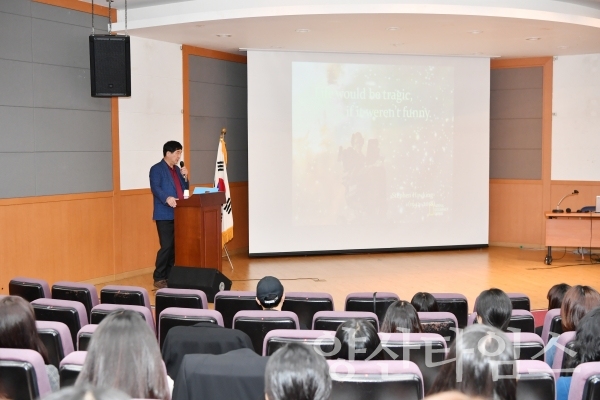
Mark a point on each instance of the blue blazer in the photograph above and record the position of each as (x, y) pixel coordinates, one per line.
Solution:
(162, 186)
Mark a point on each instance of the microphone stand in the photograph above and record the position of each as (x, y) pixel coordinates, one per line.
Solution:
(557, 209)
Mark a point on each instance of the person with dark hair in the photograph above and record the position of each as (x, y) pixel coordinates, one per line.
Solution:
(124, 354)
(401, 317)
(358, 340)
(480, 362)
(18, 331)
(87, 393)
(424, 302)
(586, 347)
(556, 294)
(493, 308)
(167, 183)
(297, 372)
(578, 301)
(269, 293)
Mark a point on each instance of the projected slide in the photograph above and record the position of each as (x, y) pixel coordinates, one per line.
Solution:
(371, 143)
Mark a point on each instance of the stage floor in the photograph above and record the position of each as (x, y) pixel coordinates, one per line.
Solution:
(458, 271)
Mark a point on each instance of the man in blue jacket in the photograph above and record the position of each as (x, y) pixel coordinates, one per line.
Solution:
(167, 183)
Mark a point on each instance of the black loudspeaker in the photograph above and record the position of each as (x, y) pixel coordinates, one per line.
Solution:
(110, 66)
(209, 280)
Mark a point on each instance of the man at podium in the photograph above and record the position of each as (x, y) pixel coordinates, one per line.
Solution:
(167, 182)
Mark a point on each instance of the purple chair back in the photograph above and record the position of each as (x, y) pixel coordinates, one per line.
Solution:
(71, 313)
(29, 288)
(256, 324)
(552, 324)
(56, 338)
(130, 295)
(306, 304)
(85, 293)
(443, 323)
(375, 302)
(173, 316)
(375, 380)
(330, 320)
(585, 384)
(321, 341)
(70, 367)
(229, 302)
(561, 346)
(454, 303)
(102, 310)
(519, 301)
(527, 346)
(84, 336)
(535, 380)
(179, 298)
(23, 374)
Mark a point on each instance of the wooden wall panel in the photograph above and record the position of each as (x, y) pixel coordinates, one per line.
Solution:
(239, 202)
(588, 190)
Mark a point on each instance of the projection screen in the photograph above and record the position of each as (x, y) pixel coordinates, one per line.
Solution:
(352, 152)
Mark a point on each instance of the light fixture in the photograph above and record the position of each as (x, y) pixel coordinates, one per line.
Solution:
(392, 28)
(224, 35)
(302, 30)
(533, 38)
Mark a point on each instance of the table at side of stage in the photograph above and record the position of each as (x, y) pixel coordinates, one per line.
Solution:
(571, 230)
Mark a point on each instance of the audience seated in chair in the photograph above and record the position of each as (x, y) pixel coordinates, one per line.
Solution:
(586, 348)
(358, 340)
(555, 297)
(424, 302)
(297, 372)
(269, 293)
(578, 301)
(124, 354)
(87, 393)
(18, 331)
(481, 364)
(400, 317)
(493, 308)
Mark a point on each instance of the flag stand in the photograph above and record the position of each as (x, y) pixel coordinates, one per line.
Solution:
(227, 254)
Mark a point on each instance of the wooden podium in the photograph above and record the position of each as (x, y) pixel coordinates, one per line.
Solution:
(198, 231)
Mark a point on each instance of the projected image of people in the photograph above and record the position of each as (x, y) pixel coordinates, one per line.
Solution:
(371, 143)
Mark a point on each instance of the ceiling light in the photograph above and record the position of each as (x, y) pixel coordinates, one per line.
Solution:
(302, 30)
(224, 35)
(475, 32)
(533, 38)
(392, 28)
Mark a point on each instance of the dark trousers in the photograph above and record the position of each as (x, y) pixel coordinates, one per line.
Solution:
(165, 257)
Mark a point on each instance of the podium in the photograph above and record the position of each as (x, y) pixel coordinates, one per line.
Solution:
(198, 231)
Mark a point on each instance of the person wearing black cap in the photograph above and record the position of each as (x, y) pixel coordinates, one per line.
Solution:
(269, 293)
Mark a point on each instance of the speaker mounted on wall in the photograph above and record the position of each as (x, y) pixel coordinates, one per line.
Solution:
(110, 66)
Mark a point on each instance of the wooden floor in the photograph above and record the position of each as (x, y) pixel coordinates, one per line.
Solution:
(458, 271)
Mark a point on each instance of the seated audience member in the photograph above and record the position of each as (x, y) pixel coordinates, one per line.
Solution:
(124, 354)
(358, 341)
(297, 372)
(269, 293)
(578, 301)
(493, 308)
(424, 302)
(481, 364)
(556, 294)
(18, 331)
(87, 393)
(587, 348)
(401, 317)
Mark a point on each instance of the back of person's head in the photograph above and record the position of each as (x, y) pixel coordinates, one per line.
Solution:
(424, 302)
(87, 393)
(171, 147)
(124, 354)
(358, 340)
(494, 308)
(556, 294)
(17, 326)
(269, 292)
(297, 372)
(401, 317)
(577, 302)
(587, 340)
(482, 365)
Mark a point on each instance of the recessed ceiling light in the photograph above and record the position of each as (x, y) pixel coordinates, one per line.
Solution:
(533, 38)
(302, 30)
(223, 35)
(475, 32)
(392, 28)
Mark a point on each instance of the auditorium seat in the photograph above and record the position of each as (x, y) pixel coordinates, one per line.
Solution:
(519, 301)
(180, 298)
(256, 324)
(528, 346)
(375, 380)
(23, 374)
(535, 380)
(29, 288)
(426, 350)
(56, 338)
(229, 302)
(440, 322)
(102, 310)
(83, 292)
(454, 303)
(70, 367)
(306, 304)
(375, 302)
(84, 336)
(552, 324)
(520, 321)
(585, 384)
(173, 316)
(70, 313)
(321, 341)
(130, 295)
(563, 343)
(330, 320)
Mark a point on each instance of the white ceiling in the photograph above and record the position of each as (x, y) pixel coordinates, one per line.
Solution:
(434, 27)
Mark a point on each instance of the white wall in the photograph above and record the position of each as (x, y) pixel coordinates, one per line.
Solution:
(576, 120)
(152, 115)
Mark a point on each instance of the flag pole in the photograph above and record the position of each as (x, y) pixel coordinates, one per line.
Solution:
(222, 136)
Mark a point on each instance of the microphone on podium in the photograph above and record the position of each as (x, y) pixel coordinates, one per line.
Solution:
(557, 209)
(181, 164)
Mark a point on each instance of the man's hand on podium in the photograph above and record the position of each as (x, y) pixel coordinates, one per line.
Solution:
(172, 201)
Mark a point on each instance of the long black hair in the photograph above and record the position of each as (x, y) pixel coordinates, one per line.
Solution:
(494, 308)
(586, 344)
(401, 317)
(358, 341)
